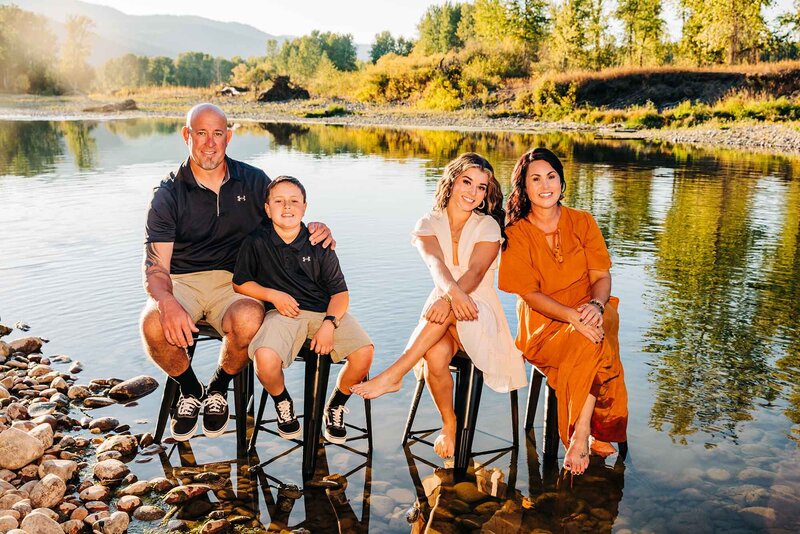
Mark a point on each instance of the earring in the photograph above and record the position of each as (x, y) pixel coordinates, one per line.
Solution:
(482, 205)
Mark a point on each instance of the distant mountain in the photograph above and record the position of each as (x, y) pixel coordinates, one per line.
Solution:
(117, 34)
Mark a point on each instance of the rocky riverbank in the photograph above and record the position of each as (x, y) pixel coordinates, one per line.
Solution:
(64, 471)
(776, 138)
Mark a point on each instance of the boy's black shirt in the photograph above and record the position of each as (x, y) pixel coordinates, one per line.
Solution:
(309, 273)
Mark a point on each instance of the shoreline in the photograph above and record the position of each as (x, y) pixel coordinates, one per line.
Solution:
(777, 138)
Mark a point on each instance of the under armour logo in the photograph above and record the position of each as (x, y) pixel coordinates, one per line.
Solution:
(306, 258)
(241, 198)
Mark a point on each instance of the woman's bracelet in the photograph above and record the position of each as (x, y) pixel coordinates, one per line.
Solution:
(445, 297)
(599, 305)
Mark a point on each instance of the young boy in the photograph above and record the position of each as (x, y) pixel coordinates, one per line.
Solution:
(306, 299)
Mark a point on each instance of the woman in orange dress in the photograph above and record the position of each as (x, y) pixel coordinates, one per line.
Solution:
(557, 263)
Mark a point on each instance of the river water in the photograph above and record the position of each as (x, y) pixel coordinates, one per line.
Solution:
(706, 264)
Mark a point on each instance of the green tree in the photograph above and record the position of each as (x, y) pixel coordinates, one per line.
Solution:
(27, 49)
(438, 29)
(76, 72)
(339, 48)
(195, 69)
(643, 30)
(129, 70)
(386, 44)
(731, 32)
(580, 38)
(160, 71)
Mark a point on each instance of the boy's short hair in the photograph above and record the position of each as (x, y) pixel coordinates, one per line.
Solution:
(291, 180)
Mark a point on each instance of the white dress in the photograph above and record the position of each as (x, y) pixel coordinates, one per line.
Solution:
(488, 339)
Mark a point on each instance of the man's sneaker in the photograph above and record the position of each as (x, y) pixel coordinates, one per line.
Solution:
(184, 420)
(335, 431)
(288, 425)
(215, 414)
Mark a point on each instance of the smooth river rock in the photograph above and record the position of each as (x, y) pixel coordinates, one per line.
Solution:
(48, 492)
(134, 388)
(148, 513)
(40, 524)
(18, 449)
(63, 469)
(27, 345)
(109, 469)
(123, 443)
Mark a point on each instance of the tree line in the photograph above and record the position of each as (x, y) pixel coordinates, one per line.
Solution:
(476, 44)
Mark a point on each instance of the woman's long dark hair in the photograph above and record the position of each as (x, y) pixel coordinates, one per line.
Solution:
(493, 205)
(519, 204)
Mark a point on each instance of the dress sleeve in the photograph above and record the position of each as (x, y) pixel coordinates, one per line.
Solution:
(424, 227)
(489, 231)
(517, 273)
(597, 257)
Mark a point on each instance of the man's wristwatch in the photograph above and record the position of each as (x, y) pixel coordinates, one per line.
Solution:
(333, 319)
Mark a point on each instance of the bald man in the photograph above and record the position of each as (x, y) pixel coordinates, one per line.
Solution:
(197, 219)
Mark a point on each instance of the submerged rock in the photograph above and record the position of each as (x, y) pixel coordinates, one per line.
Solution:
(182, 494)
(27, 345)
(134, 388)
(98, 402)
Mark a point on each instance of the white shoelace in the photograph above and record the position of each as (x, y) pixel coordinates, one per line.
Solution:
(337, 413)
(216, 403)
(187, 406)
(284, 409)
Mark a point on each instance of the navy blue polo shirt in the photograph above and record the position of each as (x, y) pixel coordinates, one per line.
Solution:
(309, 273)
(206, 229)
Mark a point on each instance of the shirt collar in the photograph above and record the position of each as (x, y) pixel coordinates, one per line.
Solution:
(297, 244)
(185, 173)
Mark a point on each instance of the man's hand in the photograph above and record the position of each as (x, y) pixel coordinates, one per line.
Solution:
(322, 342)
(176, 324)
(285, 303)
(320, 232)
(438, 311)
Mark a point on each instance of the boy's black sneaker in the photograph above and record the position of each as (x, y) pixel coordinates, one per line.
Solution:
(184, 420)
(288, 425)
(215, 414)
(333, 419)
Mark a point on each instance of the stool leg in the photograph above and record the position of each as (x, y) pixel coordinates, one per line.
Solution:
(533, 397)
(550, 437)
(515, 418)
(412, 413)
(240, 405)
(468, 406)
(251, 389)
(252, 445)
(317, 371)
(368, 417)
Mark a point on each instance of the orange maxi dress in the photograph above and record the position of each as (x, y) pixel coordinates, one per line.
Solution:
(574, 366)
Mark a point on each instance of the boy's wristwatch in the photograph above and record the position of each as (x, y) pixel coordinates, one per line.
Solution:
(333, 319)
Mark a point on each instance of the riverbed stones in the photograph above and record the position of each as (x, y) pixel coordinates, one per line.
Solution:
(468, 492)
(39, 523)
(182, 494)
(27, 345)
(44, 433)
(48, 492)
(63, 469)
(134, 388)
(117, 523)
(73, 526)
(137, 488)
(18, 448)
(5, 349)
(122, 443)
(104, 424)
(7, 522)
(161, 484)
(129, 503)
(217, 526)
(148, 513)
(109, 469)
(95, 492)
(16, 410)
(98, 402)
(78, 392)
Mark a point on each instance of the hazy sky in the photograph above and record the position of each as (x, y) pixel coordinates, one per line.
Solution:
(362, 18)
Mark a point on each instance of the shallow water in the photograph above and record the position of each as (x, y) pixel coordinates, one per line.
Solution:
(706, 264)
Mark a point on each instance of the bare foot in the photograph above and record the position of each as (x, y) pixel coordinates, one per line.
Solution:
(601, 448)
(577, 458)
(445, 444)
(380, 385)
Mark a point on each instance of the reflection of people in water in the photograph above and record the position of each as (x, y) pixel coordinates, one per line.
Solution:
(557, 263)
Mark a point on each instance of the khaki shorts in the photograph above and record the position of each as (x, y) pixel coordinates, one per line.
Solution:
(206, 295)
(286, 335)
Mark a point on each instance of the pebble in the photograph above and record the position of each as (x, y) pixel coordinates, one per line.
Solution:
(95, 492)
(117, 523)
(182, 494)
(104, 424)
(718, 474)
(133, 388)
(18, 448)
(217, 526)
(78, 392)
(148, 513)
(161, 484)
(63, 469)
(128, 503)
(123, 443)
(48, 492)
(44, 433)
(97, 402)
(109, 469)
(39, 523)
(137, 488)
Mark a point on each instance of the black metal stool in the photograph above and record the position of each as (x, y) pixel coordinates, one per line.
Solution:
(242, 391)
(550, 436)
(314, 396)
(468, 386)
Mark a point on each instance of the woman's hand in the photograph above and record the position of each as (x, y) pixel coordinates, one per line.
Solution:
(590, 314)
(463, 306)
(285, 304)
(595, 334)
(438, 311)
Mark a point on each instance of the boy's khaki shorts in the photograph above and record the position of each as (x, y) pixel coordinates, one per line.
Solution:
(286, 335)
(206, 295)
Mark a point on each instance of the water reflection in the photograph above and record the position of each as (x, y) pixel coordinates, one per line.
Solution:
(28, 148)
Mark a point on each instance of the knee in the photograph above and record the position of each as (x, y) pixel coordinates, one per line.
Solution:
(362, 358)
(150, 324)
(437, 361)
(267, 362)
(243, 319)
